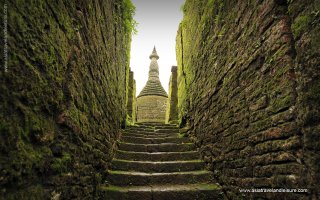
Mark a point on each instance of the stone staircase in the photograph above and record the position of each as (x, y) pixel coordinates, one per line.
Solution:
(154, 162)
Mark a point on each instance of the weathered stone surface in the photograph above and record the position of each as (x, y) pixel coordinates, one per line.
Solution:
(160, 192)
(171, 171)
(146, 140)
(162, 147)
(151, 135)
(132, 100)
(141, 178)
(172, 104)
(248, 79)
(63, 97)
(305, 27)
(163, 166)
(157, 156)
(151, 108)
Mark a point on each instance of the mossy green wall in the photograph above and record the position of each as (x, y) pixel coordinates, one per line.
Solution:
(131, 104)
(172, 104)
(248, 81)
(63, 97)
(305, 25)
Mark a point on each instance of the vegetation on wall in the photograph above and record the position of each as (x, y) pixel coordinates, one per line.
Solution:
(128, 12)
(63, 97)
(248, 80)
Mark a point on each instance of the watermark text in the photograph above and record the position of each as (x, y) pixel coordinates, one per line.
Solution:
(274, 190)
(5, 37)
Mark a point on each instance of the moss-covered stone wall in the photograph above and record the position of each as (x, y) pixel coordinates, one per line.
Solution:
(172, 104)
(131, 105)
(305, 26)
(63, 96)
(151, 108)
(248, 76)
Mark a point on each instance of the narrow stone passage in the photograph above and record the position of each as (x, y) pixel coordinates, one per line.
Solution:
(154, 162)
(244, 87)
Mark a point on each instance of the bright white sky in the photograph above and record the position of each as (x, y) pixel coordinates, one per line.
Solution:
(158, 22)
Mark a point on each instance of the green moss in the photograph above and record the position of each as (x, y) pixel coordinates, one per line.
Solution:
(114, 188)
(98, 178)
(281, 103)
(211, 2)
(313, 92)
(115, 172)
(182, 135)
(210, 187)
(300, 25)
(59, 93)
(31, 193)
(129, 121)
(25, 161)
(61, 165)
(128, 10)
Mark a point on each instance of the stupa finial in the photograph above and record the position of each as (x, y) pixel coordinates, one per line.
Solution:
(154, 53)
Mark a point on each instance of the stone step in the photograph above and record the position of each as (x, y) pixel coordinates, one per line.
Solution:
(139, 126)
(153, 124)
(157, 156)
(145, 140)
(158, 135)
(140, 129)
(152, 128)
(140, 178)
(152, 166)
(157, 131)
(166, 130)
(163, 192)
(154, 162)
(142, 132)
(149, 124)
(165, 147)
(166, 127)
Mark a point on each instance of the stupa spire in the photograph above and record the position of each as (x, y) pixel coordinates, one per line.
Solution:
(153, 86)
(154, 54)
